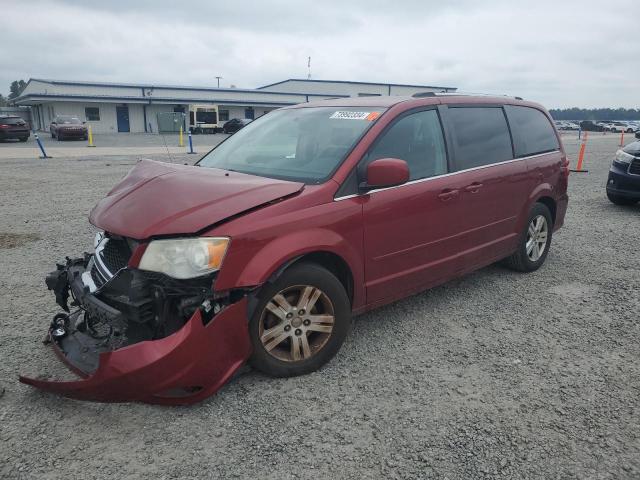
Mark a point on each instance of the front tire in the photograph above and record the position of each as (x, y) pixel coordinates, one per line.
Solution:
(300, 321)
(619, 200)
(534, 242)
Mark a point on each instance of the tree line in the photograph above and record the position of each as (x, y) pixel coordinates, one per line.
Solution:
(595, 113)
(15, 89)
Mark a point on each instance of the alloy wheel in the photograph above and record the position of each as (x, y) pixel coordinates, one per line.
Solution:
(296, 323)
(537, 238)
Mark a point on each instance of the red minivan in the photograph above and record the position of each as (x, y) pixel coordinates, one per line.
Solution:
(309, 215)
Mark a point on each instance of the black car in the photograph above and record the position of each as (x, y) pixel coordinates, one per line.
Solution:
(235, 124)
(13, 126)
(623, 185)
(590, 126)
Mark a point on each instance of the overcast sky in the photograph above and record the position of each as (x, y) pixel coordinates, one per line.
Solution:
(561, 53)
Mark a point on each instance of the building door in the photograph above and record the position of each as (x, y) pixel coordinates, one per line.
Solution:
(122, 115)
(249, 113)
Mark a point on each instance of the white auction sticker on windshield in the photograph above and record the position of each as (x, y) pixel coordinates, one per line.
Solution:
(347, 115)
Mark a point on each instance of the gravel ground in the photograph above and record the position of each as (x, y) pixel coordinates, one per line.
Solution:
(495, 375)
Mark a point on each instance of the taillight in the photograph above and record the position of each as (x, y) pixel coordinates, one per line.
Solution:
(2, 125)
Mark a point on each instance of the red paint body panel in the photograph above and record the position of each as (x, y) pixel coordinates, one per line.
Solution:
(197, 355)
(166, 199)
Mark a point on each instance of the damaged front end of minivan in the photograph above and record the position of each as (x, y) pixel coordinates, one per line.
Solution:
(142, 335)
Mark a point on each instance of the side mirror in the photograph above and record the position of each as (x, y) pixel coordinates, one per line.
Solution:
(386, 172)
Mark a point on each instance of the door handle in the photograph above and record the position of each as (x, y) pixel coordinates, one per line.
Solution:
(473, 188)
(447, 194)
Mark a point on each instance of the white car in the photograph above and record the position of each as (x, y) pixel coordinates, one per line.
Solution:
(618, 127)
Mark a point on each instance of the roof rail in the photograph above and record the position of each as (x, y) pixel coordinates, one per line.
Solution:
(459, 94)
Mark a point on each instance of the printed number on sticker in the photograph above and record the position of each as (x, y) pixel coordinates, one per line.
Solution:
(346, 115)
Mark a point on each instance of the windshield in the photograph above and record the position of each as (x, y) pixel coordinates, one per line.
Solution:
(299, 144)
(69, 120)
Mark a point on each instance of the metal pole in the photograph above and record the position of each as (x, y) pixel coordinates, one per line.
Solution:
(44, 154)
(190, 143)
(218, 78)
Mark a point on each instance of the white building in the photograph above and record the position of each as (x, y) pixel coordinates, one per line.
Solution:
(125, 107)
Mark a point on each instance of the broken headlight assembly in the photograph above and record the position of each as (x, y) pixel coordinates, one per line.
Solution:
(185, 258)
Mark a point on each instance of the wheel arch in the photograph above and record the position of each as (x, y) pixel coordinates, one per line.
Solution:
(550, 203)
(321, 246)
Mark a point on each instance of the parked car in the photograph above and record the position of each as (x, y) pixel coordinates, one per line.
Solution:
(265, 249)
(13, 127)
(618, 127)
(591, 126)
(235, 124)
(67, 126)
(623, 184)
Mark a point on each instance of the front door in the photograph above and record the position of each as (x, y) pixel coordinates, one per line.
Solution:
(122, 115)
(407, 229)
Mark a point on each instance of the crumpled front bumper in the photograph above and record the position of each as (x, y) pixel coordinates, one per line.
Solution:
(184, 367)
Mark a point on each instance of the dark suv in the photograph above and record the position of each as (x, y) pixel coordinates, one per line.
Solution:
(623, 185)
(13, 127)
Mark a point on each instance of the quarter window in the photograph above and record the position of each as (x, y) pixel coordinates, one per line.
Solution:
(92, 114)
(417, 139)
(533, 132)
(481, 136)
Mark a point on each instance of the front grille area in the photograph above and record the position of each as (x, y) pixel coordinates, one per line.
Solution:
(634, 168)
(115, 254)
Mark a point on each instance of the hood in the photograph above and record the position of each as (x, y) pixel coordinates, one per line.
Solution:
(158, 198)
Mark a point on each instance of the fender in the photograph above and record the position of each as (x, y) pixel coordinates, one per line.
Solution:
(541, 190)
(278, 252)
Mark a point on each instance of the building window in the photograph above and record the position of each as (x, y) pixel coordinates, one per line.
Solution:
(92, 114)
(223, 115)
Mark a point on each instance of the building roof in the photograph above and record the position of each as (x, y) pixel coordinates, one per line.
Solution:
(353, 83)
(162, 86)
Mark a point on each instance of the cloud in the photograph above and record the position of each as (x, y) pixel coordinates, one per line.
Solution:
(558, 53)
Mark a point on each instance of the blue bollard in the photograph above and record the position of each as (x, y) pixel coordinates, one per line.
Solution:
(190, 143)
(44, 154)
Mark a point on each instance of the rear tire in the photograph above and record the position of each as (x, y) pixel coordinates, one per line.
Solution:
(619, 200)
(290, 339)
(534, 241)
(23, 139)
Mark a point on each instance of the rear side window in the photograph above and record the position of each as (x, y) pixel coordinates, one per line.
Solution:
(533, 132)
(417, 139)
(12, 121)
(481, 136)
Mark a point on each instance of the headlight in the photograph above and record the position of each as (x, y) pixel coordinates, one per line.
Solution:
(623, 157)
(185, 257)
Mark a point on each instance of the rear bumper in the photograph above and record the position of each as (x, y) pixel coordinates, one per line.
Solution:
(620, 182)
(188, 365)
(4, 134)
(561, 210)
